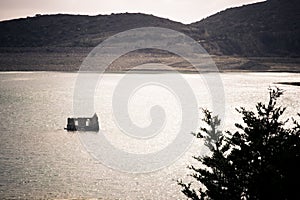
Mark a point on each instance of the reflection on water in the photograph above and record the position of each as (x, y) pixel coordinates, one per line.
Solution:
(38, 159)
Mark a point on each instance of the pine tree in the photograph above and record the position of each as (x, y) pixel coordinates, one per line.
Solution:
(258, 161)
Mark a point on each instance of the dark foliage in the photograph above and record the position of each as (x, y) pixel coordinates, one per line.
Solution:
(259, 161)
(270, 28)
(64, 30)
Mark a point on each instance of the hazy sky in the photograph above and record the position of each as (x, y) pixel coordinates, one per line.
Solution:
(185, 11)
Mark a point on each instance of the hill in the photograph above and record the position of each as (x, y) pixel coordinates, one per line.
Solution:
(270, 28)
(74, 30)
(257, 37)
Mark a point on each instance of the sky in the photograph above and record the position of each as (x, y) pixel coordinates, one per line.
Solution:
(185, 11)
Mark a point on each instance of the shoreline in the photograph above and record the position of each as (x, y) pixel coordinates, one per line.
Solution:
(289, 83)
(149, 72)
(70, 60)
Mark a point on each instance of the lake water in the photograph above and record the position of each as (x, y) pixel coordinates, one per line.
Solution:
(38, 159)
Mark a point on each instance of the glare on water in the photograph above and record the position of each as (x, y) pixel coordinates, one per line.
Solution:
(38, 159)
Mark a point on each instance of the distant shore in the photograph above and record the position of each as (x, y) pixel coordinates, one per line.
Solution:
(289, 83)
(69, 59)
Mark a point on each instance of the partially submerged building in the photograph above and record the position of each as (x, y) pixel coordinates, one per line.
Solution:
(83, 124)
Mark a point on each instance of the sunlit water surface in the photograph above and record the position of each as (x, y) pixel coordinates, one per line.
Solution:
(38, 159)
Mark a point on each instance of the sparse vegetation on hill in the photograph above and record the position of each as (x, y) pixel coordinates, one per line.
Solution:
(240, 38)
(74, 30)
(263, 29)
